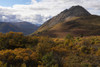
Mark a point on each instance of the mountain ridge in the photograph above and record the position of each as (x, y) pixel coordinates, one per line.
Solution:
(74, 11)
(74, 19)
(25, 27)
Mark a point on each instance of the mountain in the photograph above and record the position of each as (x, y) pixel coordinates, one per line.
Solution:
(6, 27)
(25, 27)
(75, 20)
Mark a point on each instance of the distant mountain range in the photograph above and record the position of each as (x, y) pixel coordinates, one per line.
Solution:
(75, 20)
(25, 27)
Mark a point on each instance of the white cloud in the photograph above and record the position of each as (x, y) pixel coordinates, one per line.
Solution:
(34, 1)
(39, 12)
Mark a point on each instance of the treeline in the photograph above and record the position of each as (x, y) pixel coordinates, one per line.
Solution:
(17, 50)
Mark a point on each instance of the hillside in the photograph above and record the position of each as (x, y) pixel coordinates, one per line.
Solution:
(25, 27)
(6, 27)
(75, 20)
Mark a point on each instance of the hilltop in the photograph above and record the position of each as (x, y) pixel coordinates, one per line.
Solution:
(75, 20)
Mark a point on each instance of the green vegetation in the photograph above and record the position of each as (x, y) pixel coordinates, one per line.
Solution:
(17, 50)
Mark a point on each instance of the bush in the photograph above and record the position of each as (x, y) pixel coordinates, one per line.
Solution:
(85, 50)
(19, 56)
(48, 60)
(98, 52)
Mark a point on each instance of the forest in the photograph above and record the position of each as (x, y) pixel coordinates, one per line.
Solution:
(17, 50)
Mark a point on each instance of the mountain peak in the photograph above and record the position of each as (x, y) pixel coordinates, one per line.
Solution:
(77, 6)
(77, 11)
(74, 11)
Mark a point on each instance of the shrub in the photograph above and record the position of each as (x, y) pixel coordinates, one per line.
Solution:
(48, 60)
(85, 50)
(98, 52)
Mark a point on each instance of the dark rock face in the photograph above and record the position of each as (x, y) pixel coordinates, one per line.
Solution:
(77, 11)
(74, 11)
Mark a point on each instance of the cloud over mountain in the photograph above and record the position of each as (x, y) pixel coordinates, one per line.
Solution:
(39, 12)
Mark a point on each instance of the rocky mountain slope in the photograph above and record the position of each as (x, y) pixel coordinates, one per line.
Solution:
(75, 20)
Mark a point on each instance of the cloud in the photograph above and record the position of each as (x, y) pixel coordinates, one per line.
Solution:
(39, 12)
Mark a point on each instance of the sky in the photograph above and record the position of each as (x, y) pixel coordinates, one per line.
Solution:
(39, 11)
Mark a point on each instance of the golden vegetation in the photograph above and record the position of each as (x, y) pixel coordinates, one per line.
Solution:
(17, 50)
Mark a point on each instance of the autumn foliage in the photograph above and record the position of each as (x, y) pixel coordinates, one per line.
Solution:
(17, 50)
